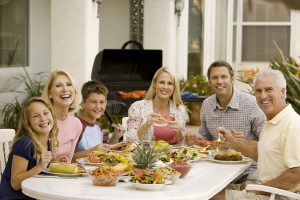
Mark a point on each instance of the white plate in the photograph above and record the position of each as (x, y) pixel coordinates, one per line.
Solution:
(47, 171)
(200, 158)
(148, 187)
(92, 164)
(178, 146)
(84, 161)
(244, 159)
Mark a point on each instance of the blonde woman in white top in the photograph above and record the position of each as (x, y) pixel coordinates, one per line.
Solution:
(161, 115)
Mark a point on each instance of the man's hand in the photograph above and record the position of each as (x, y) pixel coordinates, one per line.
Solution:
(236, 141)
(227, 137)
(237, 134)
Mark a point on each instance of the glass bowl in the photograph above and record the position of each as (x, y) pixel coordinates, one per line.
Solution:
(104, 180)
(171, 178)
(181, 167)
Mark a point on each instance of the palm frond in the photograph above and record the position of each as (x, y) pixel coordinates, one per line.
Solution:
(289, 67)
(33, 87)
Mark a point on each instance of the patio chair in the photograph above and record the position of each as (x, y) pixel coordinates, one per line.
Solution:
(273, 191)
(124, 124)
(116, 107)
(6, 136)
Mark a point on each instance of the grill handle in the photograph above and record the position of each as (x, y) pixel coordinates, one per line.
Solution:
(137, 44)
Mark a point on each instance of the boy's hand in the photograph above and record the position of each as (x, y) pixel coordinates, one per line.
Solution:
(101, 147)
(119, 130)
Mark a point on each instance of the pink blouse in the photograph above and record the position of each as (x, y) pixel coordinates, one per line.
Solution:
(163, 131)
(69, 131)
(138, 114)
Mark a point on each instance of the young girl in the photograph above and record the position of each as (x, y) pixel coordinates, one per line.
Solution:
(31, 150)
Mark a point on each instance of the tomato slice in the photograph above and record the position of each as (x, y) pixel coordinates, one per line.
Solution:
(94, 159)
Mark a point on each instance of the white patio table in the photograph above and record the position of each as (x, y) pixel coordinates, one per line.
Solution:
(205, 179)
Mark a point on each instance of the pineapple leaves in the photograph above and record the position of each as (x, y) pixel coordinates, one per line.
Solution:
(144, 157)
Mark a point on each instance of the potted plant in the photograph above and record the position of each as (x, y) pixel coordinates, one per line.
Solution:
(33, 87)
(196, 85)
(291, 71)
(247, 77)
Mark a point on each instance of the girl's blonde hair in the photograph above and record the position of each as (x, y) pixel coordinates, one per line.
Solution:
(49, 84)
(26, 129)
(176, 93)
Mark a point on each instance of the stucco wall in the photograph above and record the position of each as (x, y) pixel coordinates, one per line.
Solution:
(39, 53)
(113, 24)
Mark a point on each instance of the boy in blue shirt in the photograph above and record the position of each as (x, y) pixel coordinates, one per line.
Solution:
(94, 100)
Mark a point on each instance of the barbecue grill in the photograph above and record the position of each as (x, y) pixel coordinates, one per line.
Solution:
(125, 70)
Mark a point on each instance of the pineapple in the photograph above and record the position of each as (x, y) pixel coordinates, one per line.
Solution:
(144, 157)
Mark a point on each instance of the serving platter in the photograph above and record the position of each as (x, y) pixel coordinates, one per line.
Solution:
(47, 171)
(92, 164)
(179, 146)
(244, 159)
(85, 161)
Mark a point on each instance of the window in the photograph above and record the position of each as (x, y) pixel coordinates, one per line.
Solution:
(255, 25)
(13, 33)
(195, 36)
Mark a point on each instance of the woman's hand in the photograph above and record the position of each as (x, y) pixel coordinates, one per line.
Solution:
(174, 125)
(179, 132)
(154, 118)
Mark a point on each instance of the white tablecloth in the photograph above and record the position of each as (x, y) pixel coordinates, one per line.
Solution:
(205, 179)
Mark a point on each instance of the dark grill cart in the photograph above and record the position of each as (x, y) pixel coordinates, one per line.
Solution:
(126, 70)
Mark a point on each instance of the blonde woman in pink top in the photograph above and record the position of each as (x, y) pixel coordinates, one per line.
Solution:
(60, 91)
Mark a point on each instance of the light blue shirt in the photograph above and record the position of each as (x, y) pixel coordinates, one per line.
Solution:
(92, 136)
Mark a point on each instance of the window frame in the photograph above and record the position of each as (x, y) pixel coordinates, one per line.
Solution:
(26, 43)
(238, 63)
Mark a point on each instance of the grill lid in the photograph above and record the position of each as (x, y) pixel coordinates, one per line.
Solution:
(122, 68)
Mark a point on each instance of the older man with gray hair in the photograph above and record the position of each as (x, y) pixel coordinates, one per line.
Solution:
(277, 151)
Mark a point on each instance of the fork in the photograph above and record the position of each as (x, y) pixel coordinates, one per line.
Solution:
(219, 139)
(114, 125)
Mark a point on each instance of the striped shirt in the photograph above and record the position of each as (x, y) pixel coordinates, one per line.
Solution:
(242, 114)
